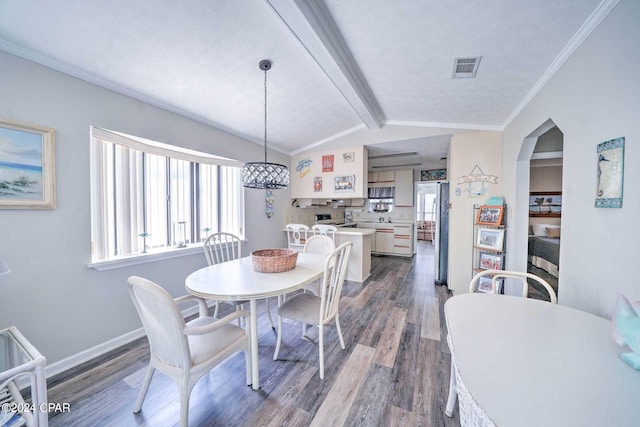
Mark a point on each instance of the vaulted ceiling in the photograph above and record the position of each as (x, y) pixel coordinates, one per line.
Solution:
(339, 66)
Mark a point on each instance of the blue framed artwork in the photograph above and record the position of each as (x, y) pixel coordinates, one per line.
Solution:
(433, 175)
(27, 166)
(610, 173)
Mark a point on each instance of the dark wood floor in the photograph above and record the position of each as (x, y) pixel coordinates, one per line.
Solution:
(394, 372)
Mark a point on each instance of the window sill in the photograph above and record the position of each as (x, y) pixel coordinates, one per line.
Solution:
(135, 259)
(155, 255)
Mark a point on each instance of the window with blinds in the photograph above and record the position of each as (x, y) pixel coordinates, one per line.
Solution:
(148, 197)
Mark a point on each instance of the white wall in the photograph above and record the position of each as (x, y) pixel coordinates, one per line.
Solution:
(58, 303)
(594, 97)
(468, 150)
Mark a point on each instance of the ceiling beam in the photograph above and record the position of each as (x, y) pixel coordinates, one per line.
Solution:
(312, 24)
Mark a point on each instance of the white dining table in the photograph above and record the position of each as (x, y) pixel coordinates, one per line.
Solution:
(236, 281)
(525, 362)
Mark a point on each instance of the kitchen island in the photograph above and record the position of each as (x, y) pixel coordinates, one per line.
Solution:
(360, 260)
(360, 263)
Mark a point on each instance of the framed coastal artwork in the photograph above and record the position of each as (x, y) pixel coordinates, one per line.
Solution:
(344, 184)
(490, 261)
(490, 238)
(327, 163)
(610, 173)
(490, 215)
(433, 175)
(545, 204)
(27, 166)
(485, 284)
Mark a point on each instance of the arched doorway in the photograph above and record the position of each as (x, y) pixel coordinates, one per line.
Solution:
(538, 171)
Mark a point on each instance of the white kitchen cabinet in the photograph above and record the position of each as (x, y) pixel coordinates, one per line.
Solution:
(384, 239)
(403, 239)
(404, 188)
(387, 177)
(391, 239)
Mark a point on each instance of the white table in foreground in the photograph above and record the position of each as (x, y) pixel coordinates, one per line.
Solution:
(531, 363)
(236, 280)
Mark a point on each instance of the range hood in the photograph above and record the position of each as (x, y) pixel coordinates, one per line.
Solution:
(381, 192)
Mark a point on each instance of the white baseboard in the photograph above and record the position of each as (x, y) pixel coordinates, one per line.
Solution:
(105, 347)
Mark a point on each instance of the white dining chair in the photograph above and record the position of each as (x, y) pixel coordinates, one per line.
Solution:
(297, 235)
(497, 275)
(321, 310)
(184, 351)
(223, 247)
(325, 229)
(319, 244)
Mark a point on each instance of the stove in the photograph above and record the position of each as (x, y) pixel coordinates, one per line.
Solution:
(326, 219)
(323, 218)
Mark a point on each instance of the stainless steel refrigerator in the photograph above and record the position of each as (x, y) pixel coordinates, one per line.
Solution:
(442, 233)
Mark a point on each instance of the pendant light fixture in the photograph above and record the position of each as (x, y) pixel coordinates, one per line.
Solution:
(265, 175)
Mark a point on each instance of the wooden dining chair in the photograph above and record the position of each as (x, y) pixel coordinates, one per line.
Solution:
(321, 310)
(184, 351)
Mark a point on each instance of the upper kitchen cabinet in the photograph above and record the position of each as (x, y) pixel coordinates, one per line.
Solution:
(387, 177)
(329, 174)
(404, 188)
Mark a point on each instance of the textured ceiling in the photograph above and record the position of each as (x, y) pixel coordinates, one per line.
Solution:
(338, 66)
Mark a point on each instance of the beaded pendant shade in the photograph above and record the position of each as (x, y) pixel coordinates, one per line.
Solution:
(265, 175)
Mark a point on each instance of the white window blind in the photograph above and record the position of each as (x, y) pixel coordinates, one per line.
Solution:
(148, 196)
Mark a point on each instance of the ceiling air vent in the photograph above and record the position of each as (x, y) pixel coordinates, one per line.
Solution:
(465, 68)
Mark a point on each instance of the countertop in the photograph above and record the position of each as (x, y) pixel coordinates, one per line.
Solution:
(350, 231)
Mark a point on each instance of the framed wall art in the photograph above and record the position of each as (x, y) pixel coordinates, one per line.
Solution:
(485, 285)
(433, 175)
(490, 238)
(317, 184)
(27, 166)
(610, 173)
(490, 261)
(345, 184)
(327, 163)
(545, 204)
(490, 215)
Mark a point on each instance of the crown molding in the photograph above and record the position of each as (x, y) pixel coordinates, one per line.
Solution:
(579, 37)
(328, 139)
(122, 90)
(461, 126)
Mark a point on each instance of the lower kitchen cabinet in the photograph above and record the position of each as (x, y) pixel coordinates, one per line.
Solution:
(391, 239)
(402, 240)
(384, 239)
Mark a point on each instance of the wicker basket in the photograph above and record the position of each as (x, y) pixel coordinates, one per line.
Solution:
(274, 260)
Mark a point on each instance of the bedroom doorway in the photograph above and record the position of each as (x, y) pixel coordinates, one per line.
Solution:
(545, 210)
